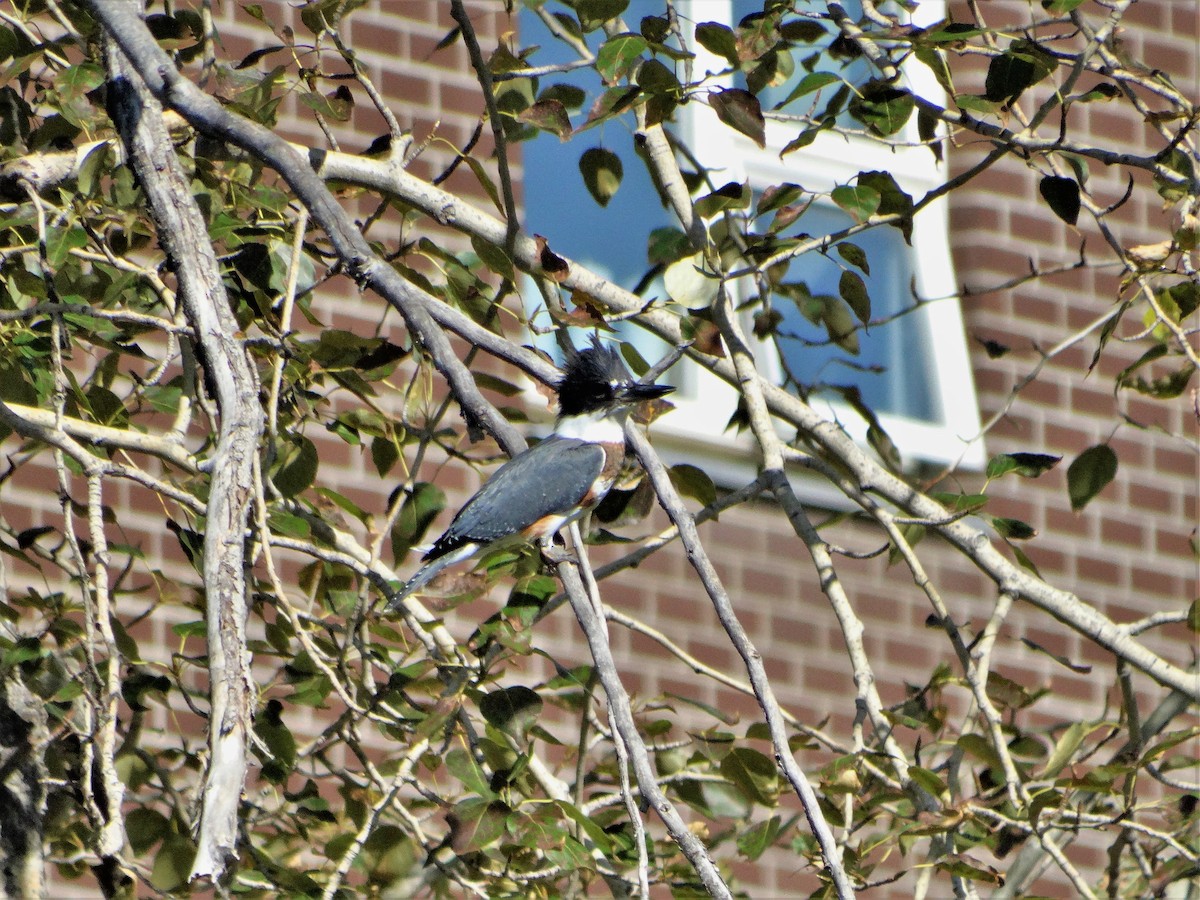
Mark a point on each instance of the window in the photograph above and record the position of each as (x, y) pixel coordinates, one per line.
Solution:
(911, 367)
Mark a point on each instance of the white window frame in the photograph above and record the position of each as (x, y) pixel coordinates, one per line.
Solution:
(704, 403)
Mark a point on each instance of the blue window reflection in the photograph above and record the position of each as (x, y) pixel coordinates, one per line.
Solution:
(892, 367)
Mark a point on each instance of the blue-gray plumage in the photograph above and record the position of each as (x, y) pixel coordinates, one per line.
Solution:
(549, 479)
(551, 484)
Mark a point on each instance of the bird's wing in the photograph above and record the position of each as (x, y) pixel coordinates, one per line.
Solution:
(547, 479)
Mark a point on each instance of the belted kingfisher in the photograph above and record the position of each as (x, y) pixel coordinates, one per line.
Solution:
(538, 492)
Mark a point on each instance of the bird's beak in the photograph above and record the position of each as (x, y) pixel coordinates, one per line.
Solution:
(635, 393)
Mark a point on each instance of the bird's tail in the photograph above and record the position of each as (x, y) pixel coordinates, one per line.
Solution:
(428, 572)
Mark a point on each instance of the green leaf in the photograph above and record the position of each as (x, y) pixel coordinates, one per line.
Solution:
(490, 382)
(753, 772)
(296, 465)
(930, 781)
(190, 629)
(1165, 387)
(1102, 92)
(476, 824)
(611, 103)
(61, 241)
(278, 741)
(1186, 296)
(462, 765)
(893, 200)
(970, 869)
(591, 827)
(854, 291)
(548, 115)
(692, 481)
(618, 55)
(1193, 617)
(719, 39)
(976, 103)
(1066, 746)
(1023, 560)
(958, 503)
(1028, 465)
(144, 827)
(913, 533)
(778, 196)
(416, 515)
(1060, 7)
(602, 172)
(513, 710)
(927, 130)
(884, 108)
(839, 323)
(935, 59)
(741, 111)
(1013, 529)
(336, 106)
(665, 245)
(655, 78)
(1177, 161)
(1077, 668)
(859, 201)
(568, 95)
(172, 862)
(855, 255)
(594, 13)
(729, 196)
(1063, 196)
(806, 137)
(753, 841)
(811, 82)
(952, 32)
(1023, 65)
(655, 29)
(94, 167)
(493, 257)
(687, 283)
(1090, 473)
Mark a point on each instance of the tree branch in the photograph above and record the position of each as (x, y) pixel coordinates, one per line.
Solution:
(184, 237)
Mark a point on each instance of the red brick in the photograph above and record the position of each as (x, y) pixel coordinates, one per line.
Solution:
(466, 101)
(1043, 392)
(1099, 570)
(1179, 462)
(976, 218)
(406, 88)
(1150, 413)
(1154, 581)
(1122, 532)
(1111, 125)
(1184, 21)
(1145, 496)
(1036, 309)
(1037, 228)
(1170, 58)
(1067, 440)
(424, 51)
(1173, 543)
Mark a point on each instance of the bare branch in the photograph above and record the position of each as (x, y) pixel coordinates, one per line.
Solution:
(184, 237)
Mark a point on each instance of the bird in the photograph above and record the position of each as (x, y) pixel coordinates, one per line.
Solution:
(545, 488)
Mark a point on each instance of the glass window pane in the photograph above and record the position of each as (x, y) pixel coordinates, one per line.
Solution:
(892, 367)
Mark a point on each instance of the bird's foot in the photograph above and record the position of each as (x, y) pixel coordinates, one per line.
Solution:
(556, 555)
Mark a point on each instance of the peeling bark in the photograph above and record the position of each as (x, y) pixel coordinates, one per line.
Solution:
(184, 238)
(23, 739)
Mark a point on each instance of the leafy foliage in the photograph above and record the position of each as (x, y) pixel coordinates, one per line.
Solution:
(428, 770)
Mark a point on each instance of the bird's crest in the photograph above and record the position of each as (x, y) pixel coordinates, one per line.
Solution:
(591, 378)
